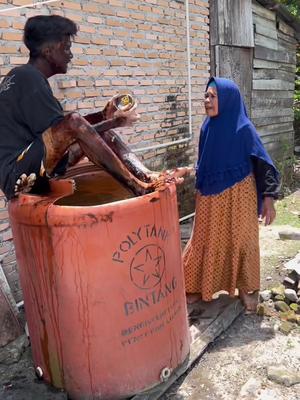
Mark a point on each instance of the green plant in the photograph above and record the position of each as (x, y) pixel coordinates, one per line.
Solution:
(293, 6)
(287, 167)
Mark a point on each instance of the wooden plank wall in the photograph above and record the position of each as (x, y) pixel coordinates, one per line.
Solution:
(274, 66)
(232, 42)
(236, 63)
(232, 25)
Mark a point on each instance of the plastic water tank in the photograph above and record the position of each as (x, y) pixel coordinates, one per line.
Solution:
(103, 286)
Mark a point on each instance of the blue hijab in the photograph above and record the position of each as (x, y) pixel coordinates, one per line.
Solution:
(227, 143)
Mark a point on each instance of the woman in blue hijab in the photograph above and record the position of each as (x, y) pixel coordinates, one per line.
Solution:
(235, 180)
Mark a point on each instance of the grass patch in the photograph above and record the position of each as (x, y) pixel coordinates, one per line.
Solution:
(288, 211)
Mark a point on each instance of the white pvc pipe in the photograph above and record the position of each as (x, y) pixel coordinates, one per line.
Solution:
(187, 217)
(34, 4)
(188, 49)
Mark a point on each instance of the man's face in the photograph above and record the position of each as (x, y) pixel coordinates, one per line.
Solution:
(211, 102)
(59, 55)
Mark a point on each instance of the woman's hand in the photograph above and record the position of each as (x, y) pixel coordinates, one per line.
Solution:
(268, 211)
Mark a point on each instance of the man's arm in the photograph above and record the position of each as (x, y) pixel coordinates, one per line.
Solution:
(75, 151)
(107, 113)
(105, 128)
(95, 118)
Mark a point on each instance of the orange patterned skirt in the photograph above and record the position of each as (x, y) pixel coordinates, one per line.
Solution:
(223, 251)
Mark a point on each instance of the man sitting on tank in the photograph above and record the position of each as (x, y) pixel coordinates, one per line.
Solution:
(37, 141)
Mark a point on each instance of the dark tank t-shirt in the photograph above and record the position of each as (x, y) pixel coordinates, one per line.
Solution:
(27, 109)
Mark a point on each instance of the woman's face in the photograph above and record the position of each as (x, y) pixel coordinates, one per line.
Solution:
(211, 102)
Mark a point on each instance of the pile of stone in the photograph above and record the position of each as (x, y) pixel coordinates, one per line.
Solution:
(283, 302)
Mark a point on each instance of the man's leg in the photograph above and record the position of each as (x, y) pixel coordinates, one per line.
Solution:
(75, 129)
(136, 167)
(128, 158)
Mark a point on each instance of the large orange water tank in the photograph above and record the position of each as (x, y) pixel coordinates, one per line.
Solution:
(103, 285)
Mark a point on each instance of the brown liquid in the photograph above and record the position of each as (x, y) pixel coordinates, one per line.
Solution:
(95, 189)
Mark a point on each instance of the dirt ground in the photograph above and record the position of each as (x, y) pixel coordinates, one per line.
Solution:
(244, 351)
(252, 343)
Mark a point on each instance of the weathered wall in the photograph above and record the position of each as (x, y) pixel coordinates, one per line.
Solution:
(232, 42)
(274, 66)
(131, 46)
(254, 46)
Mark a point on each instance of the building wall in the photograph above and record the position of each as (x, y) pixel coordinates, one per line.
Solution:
(123, 46)
(274, 67)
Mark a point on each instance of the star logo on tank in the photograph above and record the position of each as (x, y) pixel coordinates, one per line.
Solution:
(148, 267)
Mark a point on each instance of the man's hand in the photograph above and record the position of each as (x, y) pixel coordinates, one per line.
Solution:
(110, 110)
(268, 211)
(127, 118)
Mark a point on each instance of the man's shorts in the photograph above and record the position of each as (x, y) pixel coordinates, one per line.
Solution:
(29, 167)
(30, 174)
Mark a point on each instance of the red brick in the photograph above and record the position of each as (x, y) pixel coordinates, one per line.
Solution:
(115, 42)
(18, 60)
(91, 93)
(99, 40)
(82, 39)
(71, 5)
(70, 107)
(74, 94)
(115, 3)
(106, 32)
(93, 50)
(66, 84)
(8, 50)
(85, 83)
(80, 61)
(90, 7)
(12, 36)
(4, 23)
(109, 52)
(85, 104)
(74, 17)
(95, 20)
(101, 63)
(102, 83)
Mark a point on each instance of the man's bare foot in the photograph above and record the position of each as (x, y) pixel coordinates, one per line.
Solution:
(159, 180)
(25, 183)
(193, 298)
(249, 300)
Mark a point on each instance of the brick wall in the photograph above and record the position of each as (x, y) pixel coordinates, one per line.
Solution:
(131, 46)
